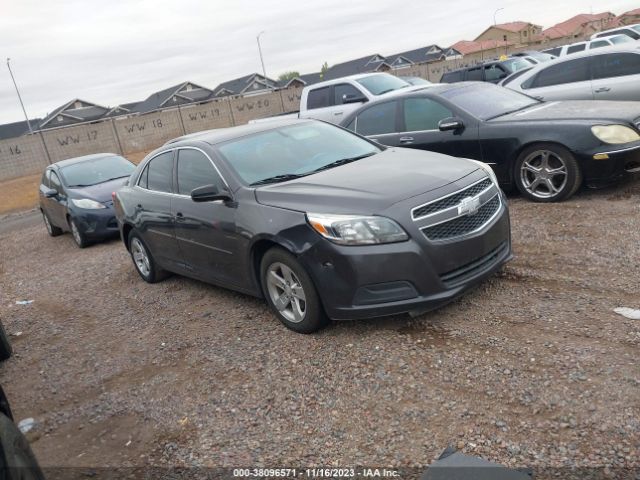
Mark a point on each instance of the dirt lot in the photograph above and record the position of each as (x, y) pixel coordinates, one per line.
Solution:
(21, 193)
(531, 369)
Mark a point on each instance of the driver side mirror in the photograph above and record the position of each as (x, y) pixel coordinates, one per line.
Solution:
(209, 193)
(451, 123)
(50, 193)
(350, 98)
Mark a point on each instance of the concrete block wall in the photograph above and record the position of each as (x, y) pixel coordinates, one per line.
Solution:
(69, 142)
(149, 131)
(22, 156)
(216, 114)
(244, 109)
(291, 98)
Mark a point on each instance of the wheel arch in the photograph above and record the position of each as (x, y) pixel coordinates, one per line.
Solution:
(257, 252)
(518, 152)
(127, 228)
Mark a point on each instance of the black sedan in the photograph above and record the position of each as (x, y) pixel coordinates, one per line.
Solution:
(76, 196)
(546, 149)
(321, 222)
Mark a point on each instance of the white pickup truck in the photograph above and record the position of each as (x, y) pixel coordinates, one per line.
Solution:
(333, 100)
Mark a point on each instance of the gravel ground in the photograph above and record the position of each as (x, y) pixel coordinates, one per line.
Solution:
(531, 369)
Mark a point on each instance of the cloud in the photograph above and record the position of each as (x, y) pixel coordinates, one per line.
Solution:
(121, 51)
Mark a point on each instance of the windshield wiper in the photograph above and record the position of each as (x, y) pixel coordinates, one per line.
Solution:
(97, 183)
(388, 90)
(278, 178)
(342, 161)
(512, 111)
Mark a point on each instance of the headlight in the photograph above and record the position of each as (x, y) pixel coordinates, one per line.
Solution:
(356, 230)
(615, 134)
(488, 169)
(87, 203)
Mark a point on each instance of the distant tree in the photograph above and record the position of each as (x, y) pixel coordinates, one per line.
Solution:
(288, 76)
(323, 69)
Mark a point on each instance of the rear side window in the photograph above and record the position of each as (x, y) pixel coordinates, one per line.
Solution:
(423, 114)
(45, 178)
(452, 77)
(475, 74)
(142, 181)
(598, 44)
(576, 48)
(553, 51)
(159, 177)
(493, 73)
(344, 89)
(566, 72)
(318, 98)
(378, 120)
(54, 181)
(196, 170)
(615, 65)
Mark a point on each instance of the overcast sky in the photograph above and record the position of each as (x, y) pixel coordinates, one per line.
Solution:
(116, 51)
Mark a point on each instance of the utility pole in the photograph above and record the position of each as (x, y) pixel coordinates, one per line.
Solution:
(19, 97)
(494, 15)
(264, 72)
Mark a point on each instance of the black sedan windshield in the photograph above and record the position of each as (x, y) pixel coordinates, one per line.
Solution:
(488, 101)
(293, 151)
(98, 170)
(379, 84)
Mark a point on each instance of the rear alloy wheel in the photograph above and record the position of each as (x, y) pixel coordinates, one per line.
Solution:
(51, 230)
(78, 236)
(290, 292)
(547, 173)
(143, 261)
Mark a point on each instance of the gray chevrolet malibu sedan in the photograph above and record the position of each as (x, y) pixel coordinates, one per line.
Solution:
(322, 223)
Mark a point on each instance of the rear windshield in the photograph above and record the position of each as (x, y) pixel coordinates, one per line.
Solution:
(515, 64)
(380, 84)
(98, 170)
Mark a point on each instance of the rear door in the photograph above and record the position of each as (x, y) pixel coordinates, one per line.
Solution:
(568, 80)
(205, 231)
(342, 93)
(319, 104)
(616, 76)
(379, 122)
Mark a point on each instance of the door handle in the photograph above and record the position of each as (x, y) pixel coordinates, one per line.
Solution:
(337, 113)
(406, 139)
(179, 217)
(603, 89)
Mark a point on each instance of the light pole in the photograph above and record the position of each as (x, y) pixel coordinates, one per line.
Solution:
(19, 97)
(264, 72)
(494, 15)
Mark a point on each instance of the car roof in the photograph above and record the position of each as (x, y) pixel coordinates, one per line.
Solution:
(219, 135)
(84, 158)
(349, 77)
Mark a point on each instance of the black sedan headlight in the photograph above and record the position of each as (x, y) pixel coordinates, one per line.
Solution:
(615, 134)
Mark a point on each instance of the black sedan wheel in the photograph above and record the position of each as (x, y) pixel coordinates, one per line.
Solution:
(143, 260)
(290, 292)
(547, 173)
(51, 229)
(5, 346)
(76, 233)
(16, 458)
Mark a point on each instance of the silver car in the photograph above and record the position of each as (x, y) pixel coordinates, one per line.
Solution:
(608, 73)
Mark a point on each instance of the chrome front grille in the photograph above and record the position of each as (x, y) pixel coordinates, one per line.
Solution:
(460, 213)
(451, 200)
(464, 225)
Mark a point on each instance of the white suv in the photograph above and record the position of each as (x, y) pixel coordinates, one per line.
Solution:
(631, 31)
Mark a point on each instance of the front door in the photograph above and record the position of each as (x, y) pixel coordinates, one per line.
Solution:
(56, 207)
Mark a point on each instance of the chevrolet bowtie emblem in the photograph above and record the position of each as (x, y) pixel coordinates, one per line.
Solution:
(469, 206)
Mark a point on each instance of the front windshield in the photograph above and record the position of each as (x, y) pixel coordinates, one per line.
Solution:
(98, 170)
(291, 151)
(382, 83)
(618, 39)
(486, 101)
(515, 64)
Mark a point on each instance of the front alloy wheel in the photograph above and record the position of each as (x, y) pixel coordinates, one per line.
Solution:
(78, 236)
(143, 260)
(547, 173)
(290, 292)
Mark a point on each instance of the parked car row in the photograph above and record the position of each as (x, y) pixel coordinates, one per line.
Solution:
(398, 209)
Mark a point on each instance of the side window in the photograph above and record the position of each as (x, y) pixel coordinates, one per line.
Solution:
(318, 98)
(54, 181)
(142, 181)
(554, 51)
(615, 65)
(378, 120)
(598, 44)
(566, 72)
(345, 89)
(423, 114)
(475, 74)
(493, 72)
(576, 48)
(45, 179)
(159, 177)
(352, 125)
(195, 170)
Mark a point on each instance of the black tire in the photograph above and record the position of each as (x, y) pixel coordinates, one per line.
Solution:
(5, 345)
(550, 186)
(17, 461)
(153, 273)
(78, 236)
(313, 317)
(52, 230)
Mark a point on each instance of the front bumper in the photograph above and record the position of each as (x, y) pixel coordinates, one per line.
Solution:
(96, 224)
(610, 163)
(411, 276)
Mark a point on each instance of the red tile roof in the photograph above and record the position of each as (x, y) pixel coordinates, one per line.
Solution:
(514, 27)
(568, 27)
(466, 47)
(631, 12)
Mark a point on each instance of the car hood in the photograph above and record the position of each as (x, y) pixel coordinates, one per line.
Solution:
(368, 186)
(590, 110)
(100, 192)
